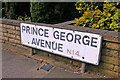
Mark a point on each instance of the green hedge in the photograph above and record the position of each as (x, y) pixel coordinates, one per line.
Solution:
(13, 10)
(102, 15)
(52, 12)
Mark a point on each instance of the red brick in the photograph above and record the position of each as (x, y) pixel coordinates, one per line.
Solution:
(8, 26)
(0, 37)
(51, 55)
(0, 29)
(18, 37)
(116, 68)
(11, 35)
(119, 69)
(5, 34)
(17, 28)
(77, 63)
(109, 52)
(17, 32)
(0, 25)
(110, 73)
(63, 59)
(11, 40)
(14, 32)
(4, 30)
(1, 34)
(41, 53)
(1, 41)
(10, 31)
(3, 25)
(111, 45)
(111, 60)
(17, 41)
(25, 47)
(5, 38)
(106, 66)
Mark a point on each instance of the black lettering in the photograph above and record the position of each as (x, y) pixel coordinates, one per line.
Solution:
(56, 35)
(48, 44)
(60, 47)
(62, 36)
(87, 41)
(67, 37)
(33, 41)
(46, 32)
(95, 42)
(34, 30)
(38, 41)
(42, 43)
(77, 38)
(23, 28)
(54, 45)
(27, 29)
(39, 31)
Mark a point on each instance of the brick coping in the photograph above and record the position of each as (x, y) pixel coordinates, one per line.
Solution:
(107, 35)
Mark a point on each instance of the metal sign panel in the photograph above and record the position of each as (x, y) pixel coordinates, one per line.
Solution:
(73, 44)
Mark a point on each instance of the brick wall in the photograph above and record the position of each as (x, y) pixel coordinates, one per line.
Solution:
(109, 62)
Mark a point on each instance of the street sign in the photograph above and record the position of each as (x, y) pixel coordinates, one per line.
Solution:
(73, 44)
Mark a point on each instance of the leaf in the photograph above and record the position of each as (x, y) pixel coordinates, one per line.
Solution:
(96, 7)
(84, 25)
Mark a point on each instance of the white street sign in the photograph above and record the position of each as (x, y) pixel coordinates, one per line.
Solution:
(73, 44)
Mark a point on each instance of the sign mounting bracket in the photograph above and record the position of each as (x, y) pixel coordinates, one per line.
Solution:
(83, 68)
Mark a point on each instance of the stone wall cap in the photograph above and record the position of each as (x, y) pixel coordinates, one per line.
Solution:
(107, 35)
